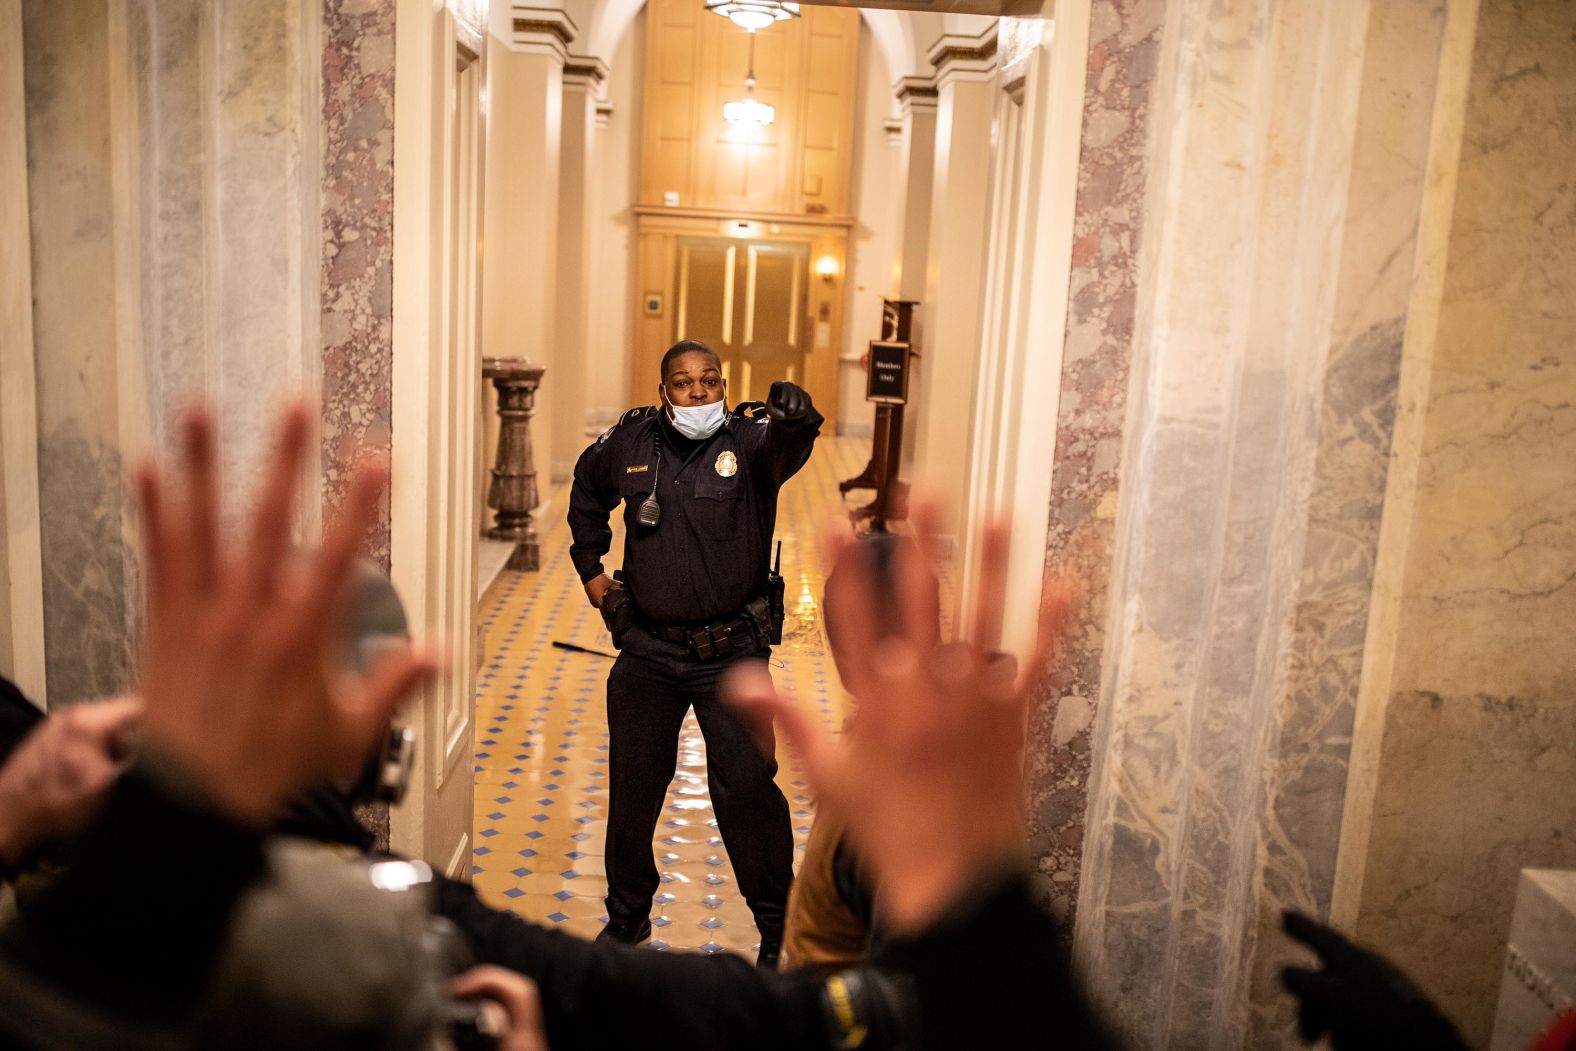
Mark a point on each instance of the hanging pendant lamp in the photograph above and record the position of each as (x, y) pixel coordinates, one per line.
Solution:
(749, 112)
(754, 14)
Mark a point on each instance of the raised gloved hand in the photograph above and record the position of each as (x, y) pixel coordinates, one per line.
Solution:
(1360, 999)
(787, 401)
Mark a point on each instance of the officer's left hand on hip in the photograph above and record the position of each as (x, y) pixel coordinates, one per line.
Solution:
(787, 401)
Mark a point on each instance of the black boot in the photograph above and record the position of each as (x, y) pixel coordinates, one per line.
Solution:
(630, 932)
(770, 951)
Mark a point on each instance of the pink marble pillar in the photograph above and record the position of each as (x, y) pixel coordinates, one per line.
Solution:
(358, 244)
(358, 261)
(1123, 52)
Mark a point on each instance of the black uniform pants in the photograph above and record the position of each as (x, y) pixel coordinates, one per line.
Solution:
(652, 685)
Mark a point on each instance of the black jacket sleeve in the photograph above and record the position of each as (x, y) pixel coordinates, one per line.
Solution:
(136, 921)
(602, 995)
(994, 972)
(592, 498)
(778, 448)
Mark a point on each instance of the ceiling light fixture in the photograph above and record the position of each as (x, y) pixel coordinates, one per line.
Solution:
(748, 112)
(754, 14)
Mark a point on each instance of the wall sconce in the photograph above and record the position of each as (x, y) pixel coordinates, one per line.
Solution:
(827, 267)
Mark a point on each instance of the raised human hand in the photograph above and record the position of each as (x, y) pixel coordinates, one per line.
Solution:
(241, 674)
(55, 779)
(1359, 999)
(928, 778)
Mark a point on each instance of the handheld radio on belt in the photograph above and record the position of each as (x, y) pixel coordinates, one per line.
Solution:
(775, 589)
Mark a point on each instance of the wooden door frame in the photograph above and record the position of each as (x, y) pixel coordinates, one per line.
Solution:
(656, 237)
(434, 463)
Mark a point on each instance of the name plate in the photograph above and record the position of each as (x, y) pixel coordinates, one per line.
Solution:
(887, 378)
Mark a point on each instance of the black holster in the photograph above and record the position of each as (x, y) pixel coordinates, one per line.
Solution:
(618, 613)
(768, 629)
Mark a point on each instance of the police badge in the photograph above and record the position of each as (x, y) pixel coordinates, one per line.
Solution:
(727, 464)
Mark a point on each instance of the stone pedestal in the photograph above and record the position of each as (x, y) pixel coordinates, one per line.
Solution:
(1539, 982)
(512, 494)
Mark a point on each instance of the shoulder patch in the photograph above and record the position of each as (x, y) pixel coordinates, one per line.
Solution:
(632, 416)
(636, 414)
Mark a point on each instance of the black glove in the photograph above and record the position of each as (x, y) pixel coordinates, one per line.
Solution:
(1361, 999)
(787, 401)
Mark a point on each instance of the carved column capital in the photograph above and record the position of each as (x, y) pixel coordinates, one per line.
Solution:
(915, 94)
(542, 31)
(964, 58)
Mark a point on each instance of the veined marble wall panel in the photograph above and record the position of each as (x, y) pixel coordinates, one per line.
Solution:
(1124, 50)
(1478, 757)
(1285, 186)
(358, 244)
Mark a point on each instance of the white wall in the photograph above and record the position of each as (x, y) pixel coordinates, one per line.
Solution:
(614, 229)
(872, 243)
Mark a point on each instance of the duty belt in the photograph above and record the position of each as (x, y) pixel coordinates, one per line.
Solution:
(720, 638)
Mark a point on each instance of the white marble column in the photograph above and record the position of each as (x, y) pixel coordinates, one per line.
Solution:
(520, 259)
(955, 263)
(570, 397)
(916, 168)
(174, 206)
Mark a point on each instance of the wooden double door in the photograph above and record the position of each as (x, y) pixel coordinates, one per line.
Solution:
(749, 300)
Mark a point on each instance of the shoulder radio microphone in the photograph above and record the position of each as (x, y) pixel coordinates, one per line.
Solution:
(649, 514)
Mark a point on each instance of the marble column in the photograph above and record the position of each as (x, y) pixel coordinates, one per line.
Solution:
(578, 291)
(1464, 767)
(942, 399)
(1288, 159)
(524, 137)
(226, 120)
(208, 216)
(1113, 167)
(355, 284)
(22, 650)
(82, 342)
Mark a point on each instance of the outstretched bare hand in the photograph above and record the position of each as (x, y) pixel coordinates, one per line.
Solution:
(240, 677)
(928, 779)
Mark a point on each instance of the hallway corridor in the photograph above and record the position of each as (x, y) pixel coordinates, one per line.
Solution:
(541, 755)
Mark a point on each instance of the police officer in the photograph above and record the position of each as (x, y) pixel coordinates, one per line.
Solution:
(699, 486)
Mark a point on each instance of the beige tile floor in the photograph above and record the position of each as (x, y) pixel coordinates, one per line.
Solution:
(541, 763)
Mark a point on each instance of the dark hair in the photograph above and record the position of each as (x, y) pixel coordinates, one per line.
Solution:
(683, 347)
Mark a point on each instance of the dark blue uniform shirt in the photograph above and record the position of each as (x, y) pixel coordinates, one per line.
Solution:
(710, 555)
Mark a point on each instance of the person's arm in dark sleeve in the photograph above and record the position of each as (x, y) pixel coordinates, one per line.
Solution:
(781, 444)
(592, 498)
(601, 995)
(993, 972)
(136, 921)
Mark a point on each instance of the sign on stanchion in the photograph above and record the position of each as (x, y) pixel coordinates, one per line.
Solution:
(889, 369)
(887, 379)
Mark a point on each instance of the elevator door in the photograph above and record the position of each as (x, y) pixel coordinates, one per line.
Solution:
(748, 300)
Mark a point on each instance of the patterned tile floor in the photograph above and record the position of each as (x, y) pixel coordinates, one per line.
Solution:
(541, 758)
